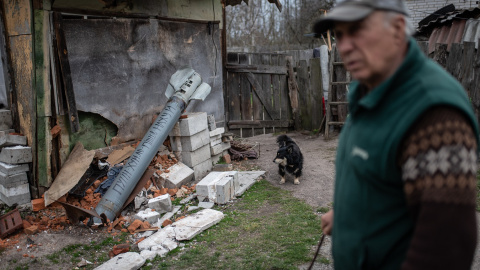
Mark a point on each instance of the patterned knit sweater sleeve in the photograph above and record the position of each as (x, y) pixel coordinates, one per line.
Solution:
(438, 162)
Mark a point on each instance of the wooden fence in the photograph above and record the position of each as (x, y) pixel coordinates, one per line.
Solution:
(273, 92)
(463, 62)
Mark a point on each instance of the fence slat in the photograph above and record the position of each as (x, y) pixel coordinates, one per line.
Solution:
(317, 92)
(304, 95)
(267, 89)
(454, 59)
(257, 105)
(285, 109)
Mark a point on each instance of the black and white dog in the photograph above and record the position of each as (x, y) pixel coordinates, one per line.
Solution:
(289, 158)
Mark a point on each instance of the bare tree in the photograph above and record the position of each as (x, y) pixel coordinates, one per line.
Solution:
(260, 26)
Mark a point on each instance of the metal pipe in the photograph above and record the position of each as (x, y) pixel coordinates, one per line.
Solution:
(184, 86)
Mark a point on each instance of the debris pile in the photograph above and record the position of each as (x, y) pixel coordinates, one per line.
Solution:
(241, 150)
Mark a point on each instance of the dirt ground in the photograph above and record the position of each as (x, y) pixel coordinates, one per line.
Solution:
(316, 182)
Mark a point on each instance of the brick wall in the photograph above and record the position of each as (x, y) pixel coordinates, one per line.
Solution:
(420, 9)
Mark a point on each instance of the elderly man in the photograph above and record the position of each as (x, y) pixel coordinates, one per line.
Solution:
(405, 185)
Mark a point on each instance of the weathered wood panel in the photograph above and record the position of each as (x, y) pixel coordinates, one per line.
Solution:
(340, 90)
(304, 95)
(18, 19)
(317, 92)
(43, 96)
(441, 54)
(285, 109)
(257, 106)
(233, 93)
(267, 92)
(454, 60)
(466, 76)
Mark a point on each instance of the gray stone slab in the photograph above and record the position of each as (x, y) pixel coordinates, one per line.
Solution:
(178, 175)
(191, 208)
(10, 169)
(200, 170)
(9, 181)
(6, 122)
(206, 187)
(161, 204)
(189, 227)
(124, 261)
(196, 157)
(246, 180)
(10, 140)
(194, 123)
(215, 140)
(16, 154)
(190, 143)
(164, 238)
(15, 191)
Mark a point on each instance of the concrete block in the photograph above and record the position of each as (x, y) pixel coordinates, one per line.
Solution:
(194, 123)
(161, 204)
(11, 169)
(215, 140)
(200, 170)
(246, 180)
(6, 122)
(219, 148)
(191, 208)
(15, 191)
(211, 122)
(217, 131)
(206, 205)
(139, 201)
(189, 227)
(16, 154)
(180, 174)
(148, 215)
(196, 157)
(18, 199)
(216, 159)
(123, 261)
(235, 179)
(10, 140)
(206, 187)
(190, 143)
(9, 181)
(224, 190)
(164, 238)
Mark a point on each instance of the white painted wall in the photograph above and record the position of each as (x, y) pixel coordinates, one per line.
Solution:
(420, 9)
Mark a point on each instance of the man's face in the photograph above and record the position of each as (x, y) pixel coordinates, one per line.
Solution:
(369, 48)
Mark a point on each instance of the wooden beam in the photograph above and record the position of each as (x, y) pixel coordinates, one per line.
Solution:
(62, 52)
(258, 69)
(259, 123)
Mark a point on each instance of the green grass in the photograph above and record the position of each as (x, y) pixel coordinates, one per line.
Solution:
(266, 229)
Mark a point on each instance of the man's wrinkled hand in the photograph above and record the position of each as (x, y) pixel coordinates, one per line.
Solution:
(327, 222)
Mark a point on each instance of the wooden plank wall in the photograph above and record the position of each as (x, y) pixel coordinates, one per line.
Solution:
(257, 100)
(18, 29)
(463, 62)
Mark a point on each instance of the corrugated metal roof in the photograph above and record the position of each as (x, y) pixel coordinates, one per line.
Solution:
(448, 18)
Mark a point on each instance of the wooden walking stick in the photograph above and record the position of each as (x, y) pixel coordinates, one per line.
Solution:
(316, 253)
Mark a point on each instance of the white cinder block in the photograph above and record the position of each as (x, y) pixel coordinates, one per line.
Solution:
(190, 143)
(9, 181)
(9, 139)
(11, 169)
(148, 215)
(200, 170)
(194, 123)
(224, 190)
(217, 131)
(196, 157)
(161, 204)
(219, 148)
(178, 175)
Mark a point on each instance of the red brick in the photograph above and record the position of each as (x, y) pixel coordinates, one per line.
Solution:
(122, 248)
(135, 225)
(31, 230)
(227, 158)
(38, 204)
(166, 222)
